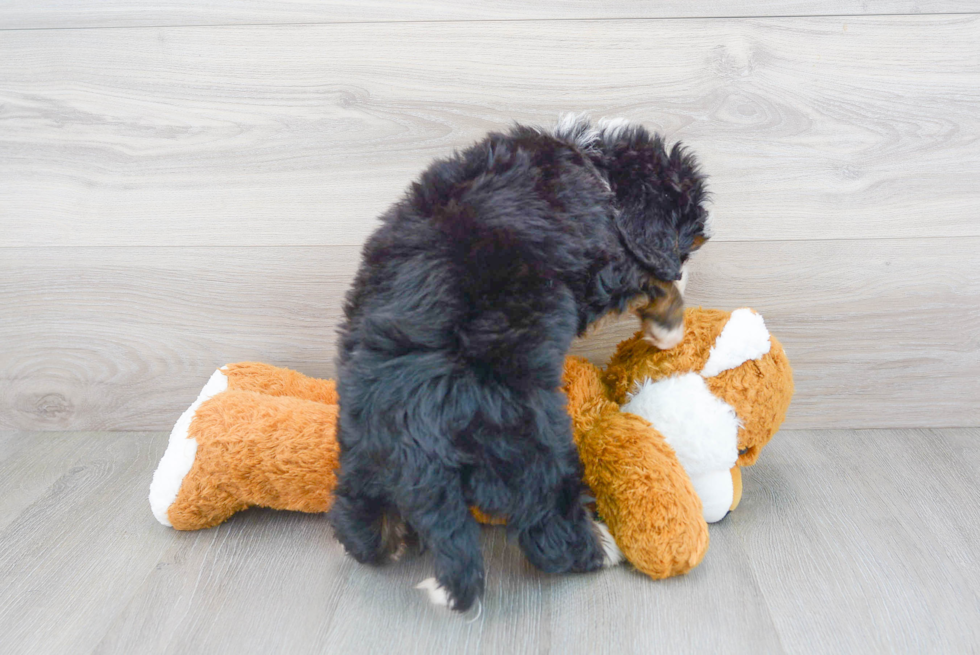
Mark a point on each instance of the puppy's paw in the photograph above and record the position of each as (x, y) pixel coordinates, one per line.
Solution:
(394, 536)
(457, 594)
(611, 554)
(438, 595)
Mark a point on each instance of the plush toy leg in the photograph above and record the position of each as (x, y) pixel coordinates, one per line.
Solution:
(641, 489)
(716, 489)
(719, 491)
(276, 381)
(701, 429)
(181, 451)
(736, 486)
(235, 449)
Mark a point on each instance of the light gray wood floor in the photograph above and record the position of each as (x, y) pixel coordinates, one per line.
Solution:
(846, 541)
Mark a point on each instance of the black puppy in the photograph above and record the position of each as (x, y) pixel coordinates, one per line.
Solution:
(466, 301)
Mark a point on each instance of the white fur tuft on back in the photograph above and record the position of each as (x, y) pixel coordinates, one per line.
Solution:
(577, 129)
(587, 135)
(743, 338)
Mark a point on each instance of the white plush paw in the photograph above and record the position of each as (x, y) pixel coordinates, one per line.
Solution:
(181, 451)
(716, 491)
(700, 427)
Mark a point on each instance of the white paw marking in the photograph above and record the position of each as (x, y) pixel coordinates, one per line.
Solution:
(612, 555)
(438, 595)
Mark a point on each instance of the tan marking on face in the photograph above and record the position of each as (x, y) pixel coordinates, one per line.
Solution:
(612, 317)
(663, 316)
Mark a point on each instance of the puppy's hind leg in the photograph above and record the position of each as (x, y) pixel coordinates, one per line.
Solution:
(433, 505)
(371, 531)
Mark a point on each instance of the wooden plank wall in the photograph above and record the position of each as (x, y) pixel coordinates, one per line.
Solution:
(187, 184)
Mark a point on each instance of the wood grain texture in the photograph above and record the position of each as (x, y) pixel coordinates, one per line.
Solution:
(880, 332)
(302, 134)
(120, 336)
(845, 541)
(25, 477)
(34, 14)
(11, 441)
(69, 560)
(877, 526)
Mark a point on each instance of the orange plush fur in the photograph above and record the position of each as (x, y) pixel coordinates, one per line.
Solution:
(269, 440)
(641, 490)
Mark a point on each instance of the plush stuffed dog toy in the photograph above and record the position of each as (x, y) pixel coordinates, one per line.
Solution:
(661, 434)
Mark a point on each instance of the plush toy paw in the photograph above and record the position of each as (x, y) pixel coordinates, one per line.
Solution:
(702, 430)
(257, 435)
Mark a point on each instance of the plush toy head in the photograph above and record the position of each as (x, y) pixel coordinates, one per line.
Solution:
(718, 397)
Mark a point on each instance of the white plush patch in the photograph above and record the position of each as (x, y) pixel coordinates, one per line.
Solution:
(437, 593)
(743, 338)
(701, 428)
(179, 456)
(612, 555)
(716, 491)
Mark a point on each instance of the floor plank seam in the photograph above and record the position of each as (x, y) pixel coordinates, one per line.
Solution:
(492, 20)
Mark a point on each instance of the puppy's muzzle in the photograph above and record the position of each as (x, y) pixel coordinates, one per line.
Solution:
(663, 316)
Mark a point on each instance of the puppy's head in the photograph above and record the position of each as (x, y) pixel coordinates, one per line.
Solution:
(662, 219)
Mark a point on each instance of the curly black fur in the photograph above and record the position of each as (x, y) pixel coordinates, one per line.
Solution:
(457, 325)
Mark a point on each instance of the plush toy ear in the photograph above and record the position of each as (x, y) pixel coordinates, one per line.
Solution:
(743, 338)
(650, 238)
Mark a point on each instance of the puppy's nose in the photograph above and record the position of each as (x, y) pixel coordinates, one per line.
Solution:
(662, 336)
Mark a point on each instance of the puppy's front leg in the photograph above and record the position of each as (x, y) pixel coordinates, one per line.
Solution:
(552, 526)
(566, 538)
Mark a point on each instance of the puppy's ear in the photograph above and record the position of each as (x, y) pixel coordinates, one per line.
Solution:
(653, 241)
(660, 194)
